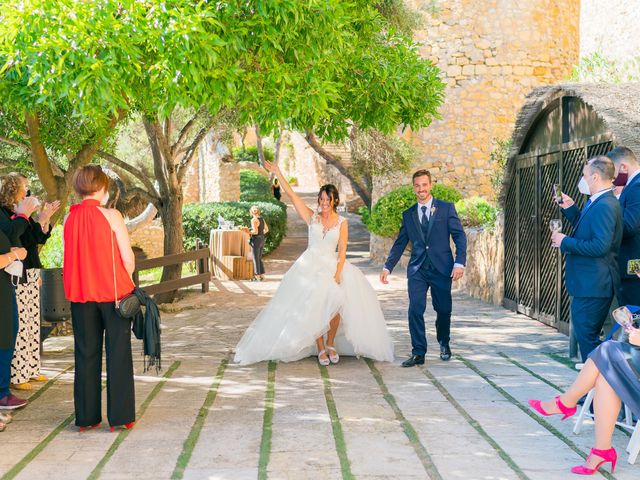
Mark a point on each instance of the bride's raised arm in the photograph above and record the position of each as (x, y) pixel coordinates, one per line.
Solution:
(305, 212)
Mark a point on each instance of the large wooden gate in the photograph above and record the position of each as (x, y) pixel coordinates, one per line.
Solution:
(534, 283)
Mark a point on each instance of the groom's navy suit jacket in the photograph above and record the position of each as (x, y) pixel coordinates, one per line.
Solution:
(444, 224)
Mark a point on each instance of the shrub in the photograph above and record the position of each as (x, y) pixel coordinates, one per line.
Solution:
(385, 217)
(254, 187)
(52, 252)
(250, 154)
(476, 212)
(293, 181)
(200, 218)
(445, 193)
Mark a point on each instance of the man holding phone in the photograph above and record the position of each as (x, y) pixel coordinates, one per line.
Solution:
(592, 275)
(627, 169)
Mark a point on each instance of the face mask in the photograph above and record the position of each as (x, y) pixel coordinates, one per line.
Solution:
(621, 179)
(105, 199)
(583, 186)
(15, 269)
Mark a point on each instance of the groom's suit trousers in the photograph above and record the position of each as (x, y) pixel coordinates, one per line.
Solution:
(427, 277)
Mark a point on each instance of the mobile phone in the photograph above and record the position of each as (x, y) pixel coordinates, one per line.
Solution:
(633, 266)
(557, 193)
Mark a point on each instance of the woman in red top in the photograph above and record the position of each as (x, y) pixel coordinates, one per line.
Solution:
(98, 263)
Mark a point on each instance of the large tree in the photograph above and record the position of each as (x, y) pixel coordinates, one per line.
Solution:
(71, 72)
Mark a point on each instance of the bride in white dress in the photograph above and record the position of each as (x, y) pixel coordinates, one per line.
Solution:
(322, 295)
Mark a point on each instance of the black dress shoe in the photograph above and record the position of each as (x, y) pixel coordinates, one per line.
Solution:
(445, 352)
(413, 360)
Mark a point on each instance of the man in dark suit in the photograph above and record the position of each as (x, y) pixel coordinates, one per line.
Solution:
(627, 174)
(429, 225)
(592, 274)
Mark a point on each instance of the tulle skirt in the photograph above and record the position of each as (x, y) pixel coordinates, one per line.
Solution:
(304, 304)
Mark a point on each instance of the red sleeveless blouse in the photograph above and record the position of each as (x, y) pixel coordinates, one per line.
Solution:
(88, 267)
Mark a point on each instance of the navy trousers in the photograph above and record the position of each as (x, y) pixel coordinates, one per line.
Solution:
(427, 277)
(6, 354)
(588, 315)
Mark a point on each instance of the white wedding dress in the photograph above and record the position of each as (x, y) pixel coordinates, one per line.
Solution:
(306, 301)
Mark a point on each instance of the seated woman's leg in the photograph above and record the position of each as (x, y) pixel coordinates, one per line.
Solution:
(584, 382)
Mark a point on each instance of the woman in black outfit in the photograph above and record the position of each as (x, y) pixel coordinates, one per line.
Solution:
(275, 188)
(10, 229)
(25, 366)
(258, 230)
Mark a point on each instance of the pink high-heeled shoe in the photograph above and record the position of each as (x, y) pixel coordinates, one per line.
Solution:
(333, 355)
(607, 456)
(323, 361)
(566, 411)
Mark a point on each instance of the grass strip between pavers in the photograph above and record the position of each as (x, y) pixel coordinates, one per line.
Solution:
(46, 386)
(527, 410)
(35, 451)
(566, 361)
(191, 441)
(267, 422)
(409, 431)
(476, 425)
(551, 384)
(95, 473)
(338, 435)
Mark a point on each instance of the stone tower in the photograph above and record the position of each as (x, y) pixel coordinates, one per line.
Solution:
(491, 54)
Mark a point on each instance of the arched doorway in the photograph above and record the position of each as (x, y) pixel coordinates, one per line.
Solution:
(551, 145)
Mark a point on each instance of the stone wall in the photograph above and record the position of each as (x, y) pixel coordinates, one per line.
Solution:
(150, 239)
(491, 53)
(610, 28)
(484, 272)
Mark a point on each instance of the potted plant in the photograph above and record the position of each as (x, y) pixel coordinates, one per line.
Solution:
(54, 307)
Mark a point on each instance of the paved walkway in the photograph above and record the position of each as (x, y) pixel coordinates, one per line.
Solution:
(206, 418)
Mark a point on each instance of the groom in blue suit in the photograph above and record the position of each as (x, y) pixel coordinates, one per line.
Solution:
(429, 225)
(591, 252)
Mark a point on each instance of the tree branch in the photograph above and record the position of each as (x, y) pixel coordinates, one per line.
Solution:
(15, 143)
(40, 158)
(191, 152)
(356, 183)
(182, 138)
(159, 169)
(152, 200)
(139, 174)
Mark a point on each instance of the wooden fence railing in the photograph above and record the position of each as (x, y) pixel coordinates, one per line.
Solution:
(201, 255)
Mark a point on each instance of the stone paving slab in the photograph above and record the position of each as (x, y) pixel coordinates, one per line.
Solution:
(464, 419)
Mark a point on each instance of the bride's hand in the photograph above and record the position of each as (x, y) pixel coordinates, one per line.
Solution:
(338, 278)
(272, 167)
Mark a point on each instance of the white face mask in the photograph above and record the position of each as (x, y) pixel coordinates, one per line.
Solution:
(583, 186)
(15, 269)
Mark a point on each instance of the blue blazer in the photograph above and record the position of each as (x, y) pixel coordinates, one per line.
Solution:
(592, 251)
(444, 224)
(630, 203)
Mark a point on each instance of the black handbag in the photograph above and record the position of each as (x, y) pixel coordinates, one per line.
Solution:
(129, 305)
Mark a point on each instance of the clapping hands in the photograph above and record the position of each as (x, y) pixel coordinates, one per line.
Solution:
(48, 210)
(27, 206)
(272, 168)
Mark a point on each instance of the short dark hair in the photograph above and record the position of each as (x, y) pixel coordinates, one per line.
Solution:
(90, 179)
(603, 166)
(622, 154)
(421, 173)
(332, 193)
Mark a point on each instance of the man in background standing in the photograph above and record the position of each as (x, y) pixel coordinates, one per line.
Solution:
(627, 169)
(592, 275)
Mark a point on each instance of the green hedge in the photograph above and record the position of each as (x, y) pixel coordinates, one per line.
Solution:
(250, 154)
(385, 217)
(52, 252)
(254, 187)
(199, 219)
(476, 212)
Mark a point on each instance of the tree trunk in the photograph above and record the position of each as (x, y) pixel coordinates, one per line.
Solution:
(171, 215)
(357, 184)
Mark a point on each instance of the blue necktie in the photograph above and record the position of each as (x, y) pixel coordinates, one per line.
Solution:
(586, 205)
(424, 223)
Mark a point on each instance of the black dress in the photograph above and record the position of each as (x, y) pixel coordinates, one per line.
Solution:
(257, 244)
